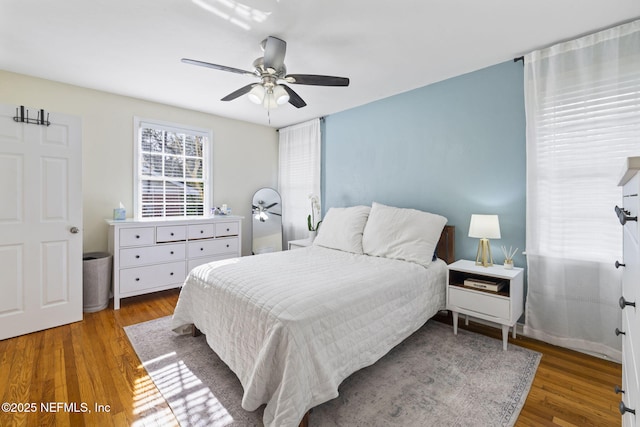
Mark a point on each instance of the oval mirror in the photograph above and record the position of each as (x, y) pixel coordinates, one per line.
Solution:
(266, 210)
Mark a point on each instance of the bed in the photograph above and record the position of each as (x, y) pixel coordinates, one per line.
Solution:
(293, 325)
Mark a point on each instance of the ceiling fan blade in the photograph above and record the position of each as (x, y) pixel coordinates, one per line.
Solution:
(294, 98)
(217, 67)
(239, 92)
(271, 205)
(274, 51)
(274, 213)
(315, 80)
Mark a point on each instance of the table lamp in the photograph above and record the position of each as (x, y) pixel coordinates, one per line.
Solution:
(484, 227)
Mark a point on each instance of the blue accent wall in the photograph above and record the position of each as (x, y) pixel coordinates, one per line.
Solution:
(455, 148)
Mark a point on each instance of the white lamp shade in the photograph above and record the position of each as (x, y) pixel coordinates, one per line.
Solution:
(281, 95)
(256, 94)
(484, 227)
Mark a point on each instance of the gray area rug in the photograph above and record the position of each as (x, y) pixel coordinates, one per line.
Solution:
(433, 378)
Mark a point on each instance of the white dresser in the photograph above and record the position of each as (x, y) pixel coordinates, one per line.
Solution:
(630, 330)
(150, 256)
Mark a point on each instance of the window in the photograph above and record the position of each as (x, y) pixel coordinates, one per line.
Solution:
(171, 169)
(583, 120)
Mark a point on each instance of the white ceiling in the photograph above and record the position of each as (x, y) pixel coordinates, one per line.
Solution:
(134, 47)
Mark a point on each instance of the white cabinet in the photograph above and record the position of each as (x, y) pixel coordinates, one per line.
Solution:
(503, 307)
(630, 329)
(150, 256)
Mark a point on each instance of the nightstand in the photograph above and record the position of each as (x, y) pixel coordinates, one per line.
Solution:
(503, 307)
(302, 243)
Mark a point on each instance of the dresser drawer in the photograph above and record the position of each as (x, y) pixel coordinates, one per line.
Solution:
(152, 276)
(480, 302)
(173, 233)
(213, 247)
(201, 231)
(137, 236)
(131, 257)
(227, 229)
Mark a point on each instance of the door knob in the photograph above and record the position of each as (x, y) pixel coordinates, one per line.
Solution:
(74, 230)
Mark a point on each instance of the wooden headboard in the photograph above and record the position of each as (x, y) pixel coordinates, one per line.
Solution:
(446, 249)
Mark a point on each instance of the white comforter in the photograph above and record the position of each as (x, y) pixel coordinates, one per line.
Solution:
(293, 325)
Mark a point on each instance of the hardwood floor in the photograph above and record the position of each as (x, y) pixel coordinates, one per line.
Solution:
(91, 363)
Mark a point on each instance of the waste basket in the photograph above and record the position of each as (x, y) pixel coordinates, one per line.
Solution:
(96, 280)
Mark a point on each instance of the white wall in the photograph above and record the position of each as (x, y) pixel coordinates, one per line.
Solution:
(245, 155)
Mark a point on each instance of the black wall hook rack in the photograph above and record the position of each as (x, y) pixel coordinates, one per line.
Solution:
(22, 116)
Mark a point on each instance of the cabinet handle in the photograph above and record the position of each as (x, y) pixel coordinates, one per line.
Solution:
(227, 229)
(172, 234)
(623, 408)
(623, 303)
(137, 256)
(618, 265)
(619, 332)
(227, 245)
(171, 252)
(137, 279)
(202, 249)
(201, 231)
(171, 274)
(623, 215)
(137, 236)
(617, 389)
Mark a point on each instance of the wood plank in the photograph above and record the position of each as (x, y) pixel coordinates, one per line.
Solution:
(92, 361)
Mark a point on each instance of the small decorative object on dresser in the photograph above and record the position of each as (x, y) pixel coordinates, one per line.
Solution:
(630, 333)
(150, 256)
(489, 293)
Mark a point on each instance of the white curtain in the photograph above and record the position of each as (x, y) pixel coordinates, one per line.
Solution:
(298, 176)
(582, 103)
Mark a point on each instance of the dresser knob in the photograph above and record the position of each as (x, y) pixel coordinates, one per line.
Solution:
(623, 303)
(137, 279)
(202, 249)
(137, 236)
(619, 332)
(617, 389)
(171, 252)
(227, 229)
(227, 245)
(623, 215)
(172, 234)
(618, 265)
(171, 274)
(201, 231)
(623, 408)
(137, 256)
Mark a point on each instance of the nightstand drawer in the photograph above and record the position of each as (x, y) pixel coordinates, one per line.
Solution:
(480, 302)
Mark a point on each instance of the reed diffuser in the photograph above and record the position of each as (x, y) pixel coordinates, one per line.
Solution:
(508, 256)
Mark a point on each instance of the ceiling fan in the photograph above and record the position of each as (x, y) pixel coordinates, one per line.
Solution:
(270, 69)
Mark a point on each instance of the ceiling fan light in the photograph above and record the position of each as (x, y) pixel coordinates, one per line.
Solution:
(269, 101)
(281, 95)
(256, 94)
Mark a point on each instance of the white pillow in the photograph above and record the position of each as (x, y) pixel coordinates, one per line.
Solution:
(342, 229)
(404, 234)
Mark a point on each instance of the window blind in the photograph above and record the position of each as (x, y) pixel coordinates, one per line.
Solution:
(171, 170)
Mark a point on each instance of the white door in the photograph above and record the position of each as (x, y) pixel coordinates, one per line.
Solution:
(40, 223)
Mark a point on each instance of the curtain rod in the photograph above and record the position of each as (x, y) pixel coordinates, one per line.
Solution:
(319, 118)
(521, 58)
